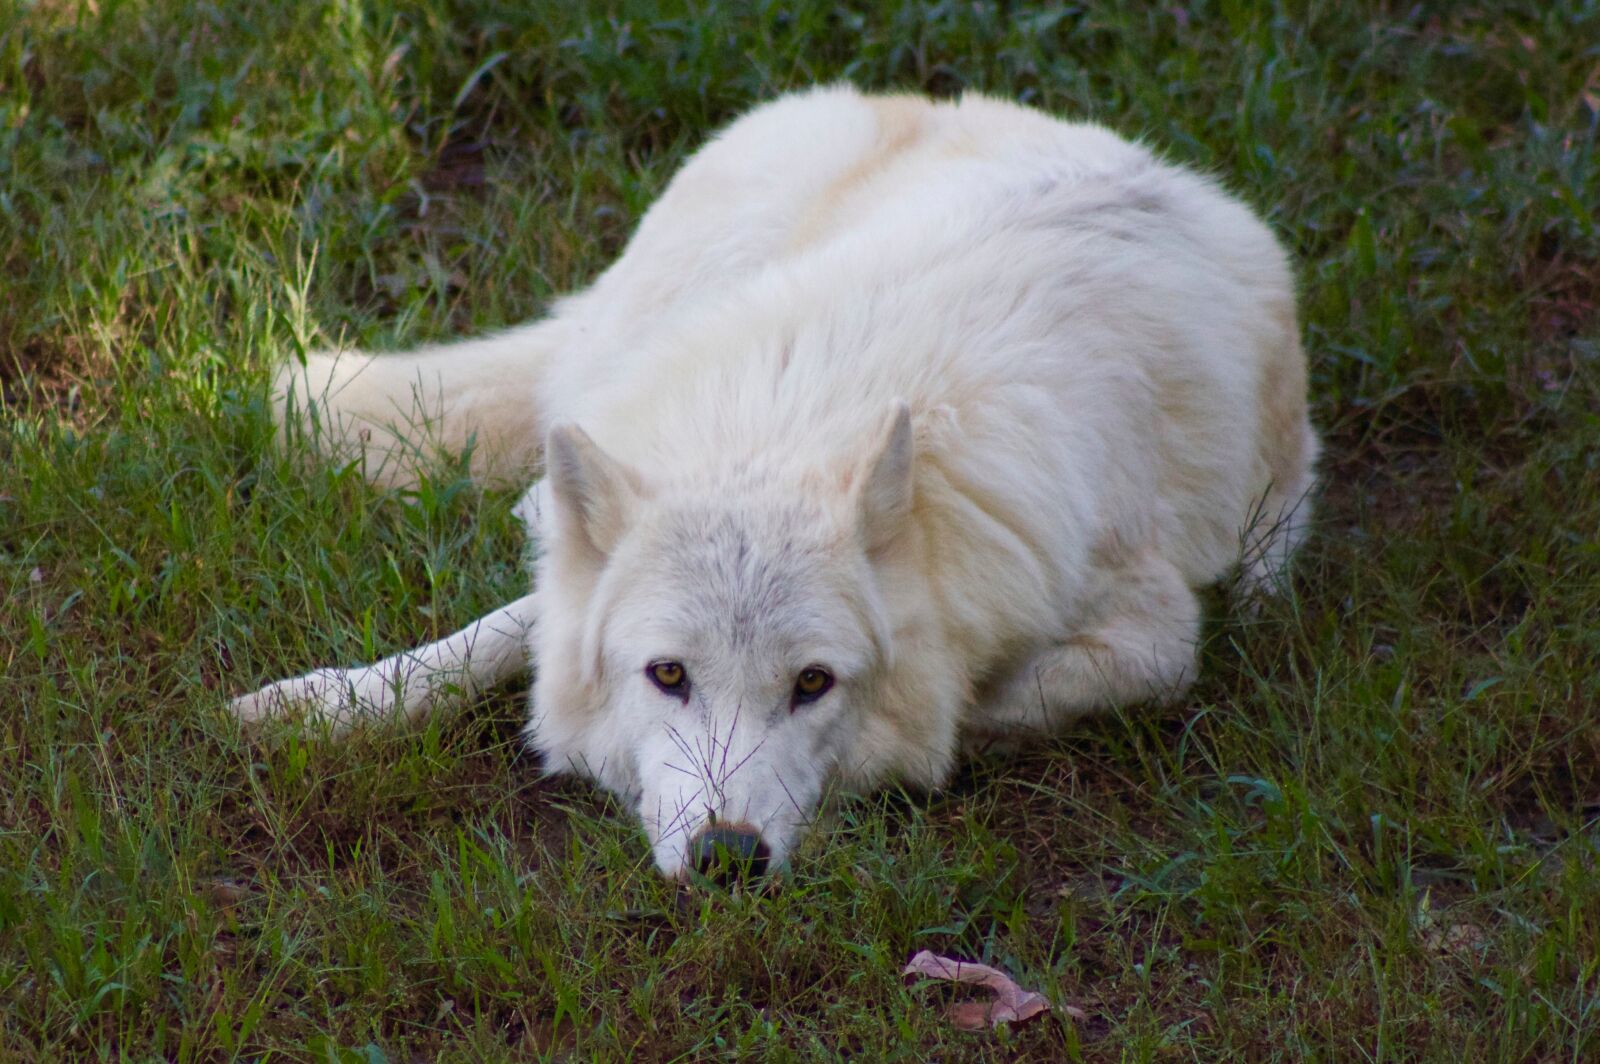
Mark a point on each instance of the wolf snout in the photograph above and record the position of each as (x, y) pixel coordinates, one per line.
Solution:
(729, 854)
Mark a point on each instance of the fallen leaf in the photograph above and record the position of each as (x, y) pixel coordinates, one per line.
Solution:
(1455, 938)
(1011, 1003)
(225, 894)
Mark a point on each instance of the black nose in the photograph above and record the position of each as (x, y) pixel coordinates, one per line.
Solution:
(730, 853)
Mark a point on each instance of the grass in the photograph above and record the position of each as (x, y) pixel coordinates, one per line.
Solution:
(1370, 834)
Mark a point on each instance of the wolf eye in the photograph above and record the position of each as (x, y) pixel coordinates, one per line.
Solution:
(811, 685)
(670, 677)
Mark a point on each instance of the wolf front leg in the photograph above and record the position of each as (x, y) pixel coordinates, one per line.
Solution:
(409, 685)
(1142, 650)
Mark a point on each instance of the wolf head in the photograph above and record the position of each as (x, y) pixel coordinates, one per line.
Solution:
(714, 651)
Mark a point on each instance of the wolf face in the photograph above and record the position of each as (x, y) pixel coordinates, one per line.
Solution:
(711, 651)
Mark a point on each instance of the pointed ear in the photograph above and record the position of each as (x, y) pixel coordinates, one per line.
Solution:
(594, 493)
(884, 503)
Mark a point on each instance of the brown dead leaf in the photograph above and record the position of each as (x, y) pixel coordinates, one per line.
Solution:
(225, 895)
(1011, 1003)
(1455, 938)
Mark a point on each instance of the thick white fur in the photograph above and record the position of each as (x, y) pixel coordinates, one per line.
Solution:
(957, 401)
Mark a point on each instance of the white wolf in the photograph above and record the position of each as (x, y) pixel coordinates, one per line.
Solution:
(899, 427)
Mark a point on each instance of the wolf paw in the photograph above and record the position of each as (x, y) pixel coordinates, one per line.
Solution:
(330, 695)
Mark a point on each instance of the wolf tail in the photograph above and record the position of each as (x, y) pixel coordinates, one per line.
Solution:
(396, 412)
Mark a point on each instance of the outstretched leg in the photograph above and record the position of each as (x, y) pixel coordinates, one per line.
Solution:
(1142, 649)
(412, 684)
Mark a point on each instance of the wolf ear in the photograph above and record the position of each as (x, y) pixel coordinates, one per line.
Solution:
(884, 503)
(594, 493)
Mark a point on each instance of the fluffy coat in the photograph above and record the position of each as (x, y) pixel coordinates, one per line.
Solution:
(956, 403)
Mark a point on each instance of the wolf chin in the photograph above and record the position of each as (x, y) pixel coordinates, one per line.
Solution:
(899, 429)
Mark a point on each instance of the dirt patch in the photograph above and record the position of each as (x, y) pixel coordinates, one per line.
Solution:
(1563, 295)
(33, 380)
(460, 167)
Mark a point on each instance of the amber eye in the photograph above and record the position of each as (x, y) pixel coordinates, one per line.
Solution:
(811, 685)
(669, 676)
